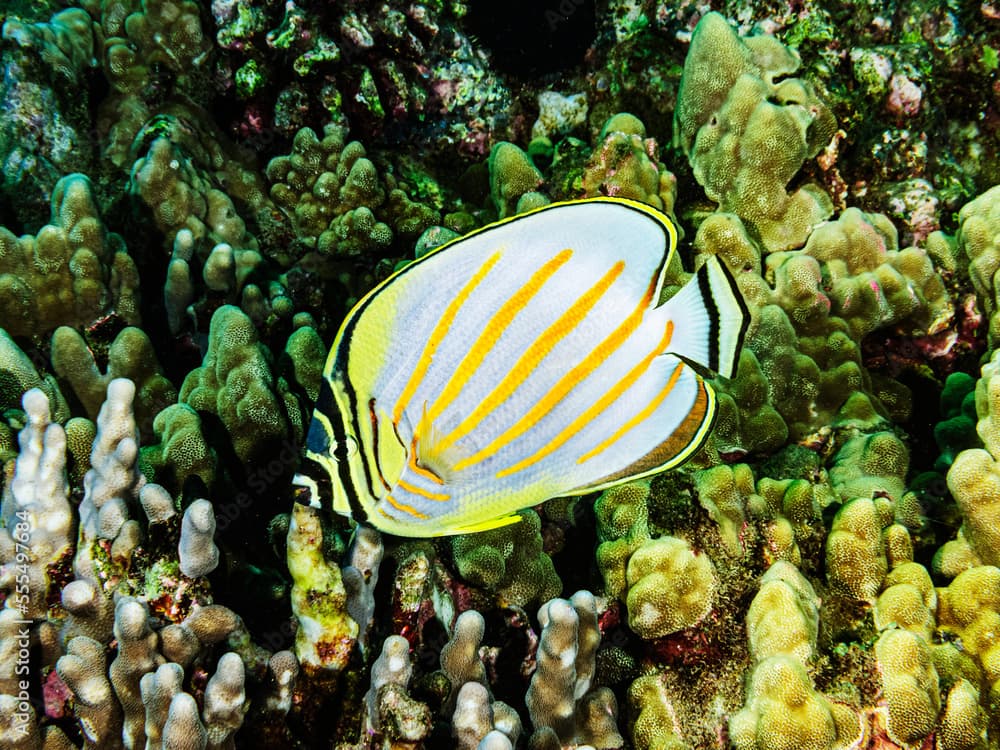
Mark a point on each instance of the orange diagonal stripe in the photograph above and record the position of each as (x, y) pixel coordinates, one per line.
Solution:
(527, 363)
(600, 405)
(438, 496)
(404, 507)
(493, 330)
(565, 384)
(438, 334)
(638, 418)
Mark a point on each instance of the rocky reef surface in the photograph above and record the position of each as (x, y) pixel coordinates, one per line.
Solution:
(193, 194)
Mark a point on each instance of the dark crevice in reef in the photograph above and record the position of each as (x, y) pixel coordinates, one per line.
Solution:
(533, 37)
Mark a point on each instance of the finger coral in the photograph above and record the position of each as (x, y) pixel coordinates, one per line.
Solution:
(747, 127)
(73, 270)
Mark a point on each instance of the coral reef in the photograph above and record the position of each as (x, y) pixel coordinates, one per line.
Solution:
(194, 193)
(72, 271)
(747, 127)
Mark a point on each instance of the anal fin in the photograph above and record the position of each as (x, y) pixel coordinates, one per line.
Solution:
(493, 523)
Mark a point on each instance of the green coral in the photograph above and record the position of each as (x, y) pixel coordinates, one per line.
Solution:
(871, 466)
(747, 127)
(19, 375)
(670, 587)
(178, 178)
(651, 705)
(513, 178)
(338, 201)
(235, 382)
(855, 552)
(909, 683)
(908, 601)
(626, 164)
(509, 561)
(957, 429)
(970, 608)
(181, 195)
(131, 355)
(141, 41)
(978, 246)
(307, 354)
(871, 282)
(974, 476)
(783, 617)
(784, 710)
(724, 491)
(182, 450)
(622, 527)
(65, 43)
(72, 272)
(810, 310)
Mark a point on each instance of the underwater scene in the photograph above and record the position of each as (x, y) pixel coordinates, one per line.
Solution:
(535, 374)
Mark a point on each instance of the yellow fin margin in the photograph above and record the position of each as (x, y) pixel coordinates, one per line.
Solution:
(493, 523)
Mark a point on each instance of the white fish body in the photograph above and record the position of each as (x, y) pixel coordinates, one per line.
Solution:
(526, 361)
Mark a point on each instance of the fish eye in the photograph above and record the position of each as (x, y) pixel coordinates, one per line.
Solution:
(350, 446)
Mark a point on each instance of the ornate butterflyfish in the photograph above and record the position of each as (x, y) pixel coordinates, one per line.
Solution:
(528, 360)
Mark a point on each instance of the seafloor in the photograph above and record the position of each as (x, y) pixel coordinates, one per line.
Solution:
(193, 195)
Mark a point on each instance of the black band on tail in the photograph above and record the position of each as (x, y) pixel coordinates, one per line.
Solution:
(705, 286)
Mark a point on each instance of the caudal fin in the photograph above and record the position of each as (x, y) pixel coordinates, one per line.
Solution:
(710, 319)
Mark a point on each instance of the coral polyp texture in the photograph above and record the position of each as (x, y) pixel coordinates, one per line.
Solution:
(194, 194)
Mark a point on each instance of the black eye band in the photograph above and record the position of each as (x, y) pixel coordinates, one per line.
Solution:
(321, 477)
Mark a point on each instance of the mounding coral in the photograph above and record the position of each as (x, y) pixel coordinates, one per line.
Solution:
(193, 194)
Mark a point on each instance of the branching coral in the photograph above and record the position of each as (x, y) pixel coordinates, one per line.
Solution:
(747, 128)
(36, 515)
(559, 697)
(131, 355)
(141, 40)
(811, 310)
(871, 282)
(236, 383)
(338, 201)
(137, 692)
(73, 271)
